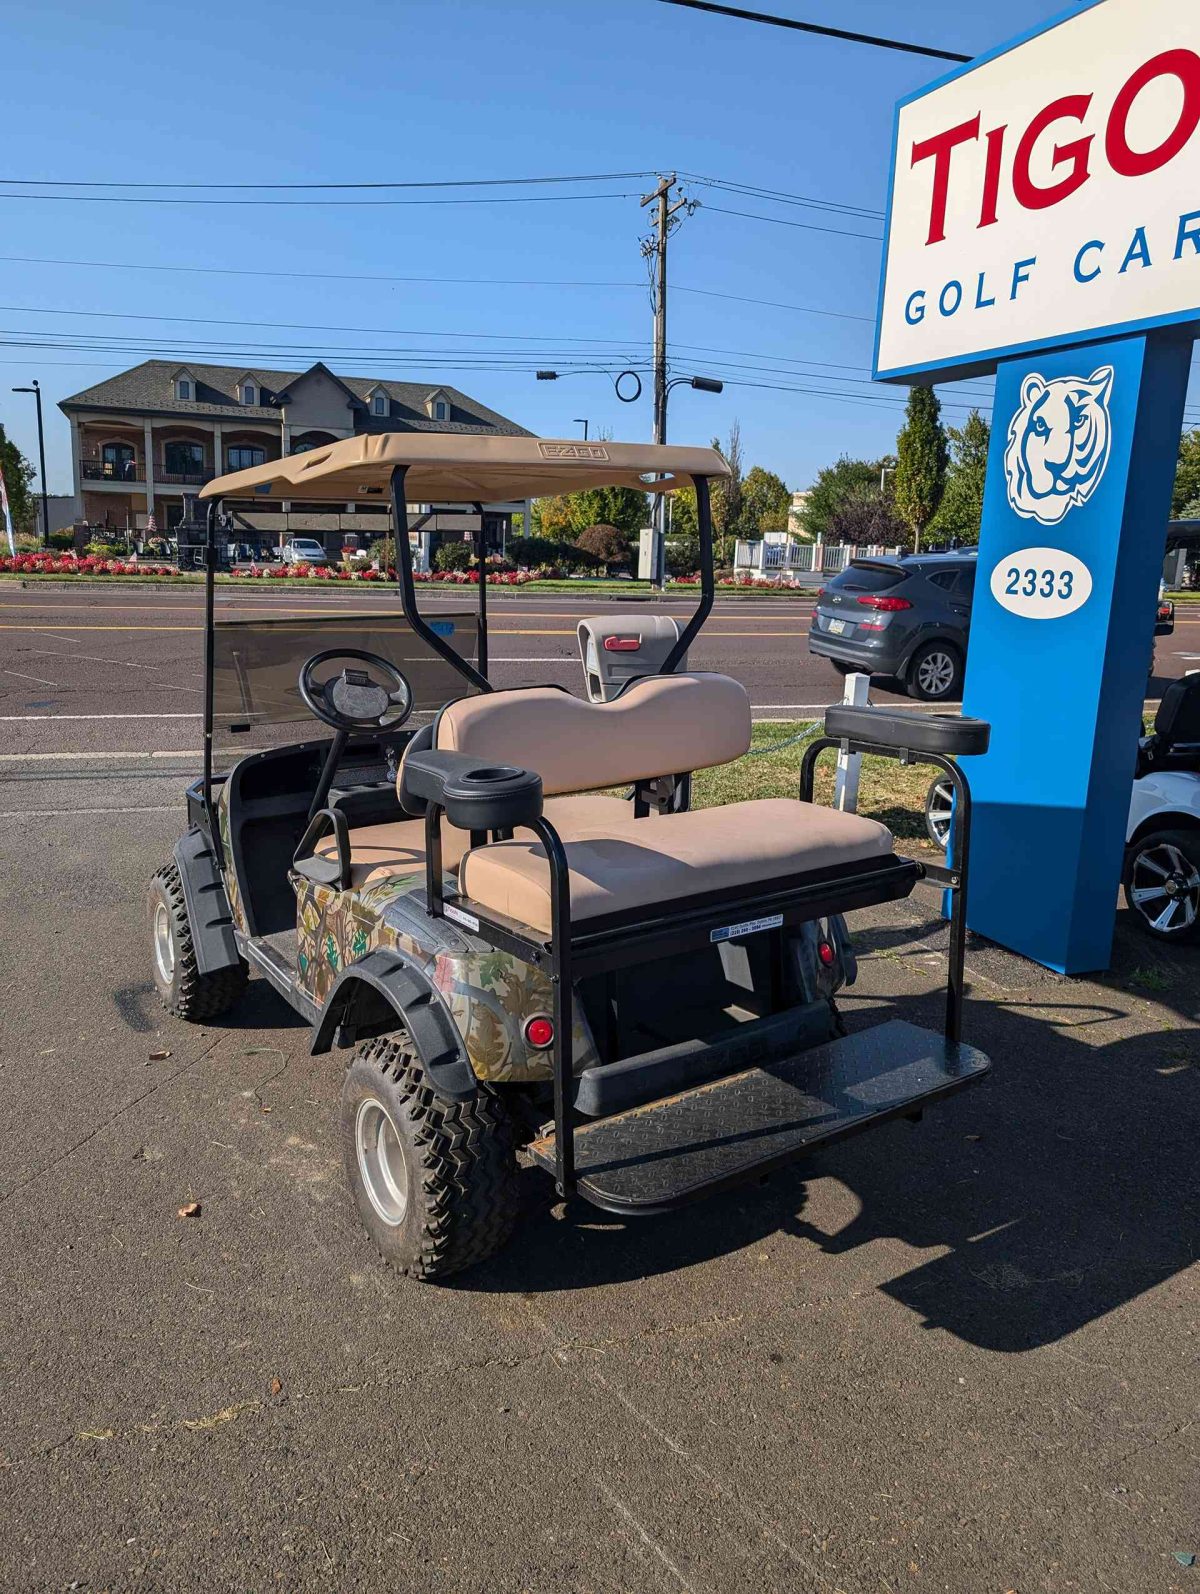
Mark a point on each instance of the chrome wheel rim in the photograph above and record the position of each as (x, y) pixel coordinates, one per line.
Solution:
(164, 943)
(1164, 887)
(935, 674)
(381, 1162)
(939, 811)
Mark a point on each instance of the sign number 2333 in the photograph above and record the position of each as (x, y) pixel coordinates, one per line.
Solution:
(1041, 583)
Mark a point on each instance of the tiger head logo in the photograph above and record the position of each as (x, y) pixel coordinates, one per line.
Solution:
(1058, 444)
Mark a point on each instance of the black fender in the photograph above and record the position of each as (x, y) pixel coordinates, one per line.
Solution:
(209, 916)
(383, 991)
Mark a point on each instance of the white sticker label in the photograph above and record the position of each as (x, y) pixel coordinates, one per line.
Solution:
(751, 927)
(1041, 583)
(467, 920)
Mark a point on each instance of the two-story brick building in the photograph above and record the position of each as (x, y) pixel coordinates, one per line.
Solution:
(144, 442)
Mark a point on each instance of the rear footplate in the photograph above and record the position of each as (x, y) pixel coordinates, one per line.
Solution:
(653, 1158)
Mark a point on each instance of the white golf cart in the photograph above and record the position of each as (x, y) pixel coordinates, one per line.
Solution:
(1162, 852)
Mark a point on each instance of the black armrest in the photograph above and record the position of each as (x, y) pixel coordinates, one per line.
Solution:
(325, 871)
(908, 730)
(475, 794)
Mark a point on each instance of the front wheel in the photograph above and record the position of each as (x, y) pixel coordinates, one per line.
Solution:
(1162, 883)
(435, 1182)
(185, 991)
(935, 673)
(939, 811)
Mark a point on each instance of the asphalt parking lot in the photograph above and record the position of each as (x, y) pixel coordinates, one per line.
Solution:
(959, 1355)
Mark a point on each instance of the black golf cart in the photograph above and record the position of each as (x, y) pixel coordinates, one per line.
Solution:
(634, 995)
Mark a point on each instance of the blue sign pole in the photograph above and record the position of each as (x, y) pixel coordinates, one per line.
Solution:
(1080, 473)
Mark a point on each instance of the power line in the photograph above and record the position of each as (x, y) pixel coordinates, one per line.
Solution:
(315, 276)
(458, 182)
(782, 197)
(815, 27)
(140, 199)
(779, 221)
(771, 304)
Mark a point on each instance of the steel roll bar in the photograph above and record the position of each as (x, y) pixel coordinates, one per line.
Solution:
(953, 878)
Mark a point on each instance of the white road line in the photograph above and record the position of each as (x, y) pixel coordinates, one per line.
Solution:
(27, 758)
(40, 679)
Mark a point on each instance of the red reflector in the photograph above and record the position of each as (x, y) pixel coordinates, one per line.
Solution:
(622, 644)
(869, 600)
(825, 953)
(539, 1033)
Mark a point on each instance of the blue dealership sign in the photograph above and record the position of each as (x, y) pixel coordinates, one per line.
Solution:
(1044, 224)
(1075, 509)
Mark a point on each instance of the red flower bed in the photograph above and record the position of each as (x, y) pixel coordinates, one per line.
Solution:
(68, 564)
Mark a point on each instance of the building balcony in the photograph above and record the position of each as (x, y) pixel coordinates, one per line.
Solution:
(103, 470)
(188, 478)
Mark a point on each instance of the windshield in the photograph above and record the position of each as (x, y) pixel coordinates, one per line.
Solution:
(867, 578)
(257, 667)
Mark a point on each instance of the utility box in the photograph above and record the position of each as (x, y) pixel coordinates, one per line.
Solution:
(618, 647)
(647, 564)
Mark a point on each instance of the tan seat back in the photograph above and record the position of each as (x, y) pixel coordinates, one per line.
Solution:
(663, 725)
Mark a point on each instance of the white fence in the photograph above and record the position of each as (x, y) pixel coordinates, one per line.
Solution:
(778, 554)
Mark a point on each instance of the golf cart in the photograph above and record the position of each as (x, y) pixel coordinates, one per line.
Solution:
(1161, 873)
(633, 995)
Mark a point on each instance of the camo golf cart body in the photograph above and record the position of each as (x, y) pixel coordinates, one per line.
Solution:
(504, 907)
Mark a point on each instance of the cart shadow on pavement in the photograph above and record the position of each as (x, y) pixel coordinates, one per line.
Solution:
(261, 1008)
(1059, 1190)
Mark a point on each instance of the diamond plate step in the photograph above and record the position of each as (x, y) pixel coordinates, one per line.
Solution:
(653, 1158)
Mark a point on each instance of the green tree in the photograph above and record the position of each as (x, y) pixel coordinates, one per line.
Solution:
(833, 486)
(920, 461)
(765, 503)
(961, 509)
(18, 479)
(568, 514)
(727, 496)
(1187, 476)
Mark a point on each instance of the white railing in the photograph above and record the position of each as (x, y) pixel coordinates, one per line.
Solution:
(780, 555)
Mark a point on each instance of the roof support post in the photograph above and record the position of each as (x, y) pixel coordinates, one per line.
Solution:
(707, 579)
(408, 594)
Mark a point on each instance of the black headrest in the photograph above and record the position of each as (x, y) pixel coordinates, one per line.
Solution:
(1178, 717)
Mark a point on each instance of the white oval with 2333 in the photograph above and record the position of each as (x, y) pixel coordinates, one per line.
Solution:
(1041, 583)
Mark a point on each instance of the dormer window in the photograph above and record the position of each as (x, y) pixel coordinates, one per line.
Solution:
(183, 389)
(441, 410)
(379, 404)
(437, 405)
(249, 393)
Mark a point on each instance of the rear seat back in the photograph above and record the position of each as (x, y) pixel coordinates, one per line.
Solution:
(662, 725)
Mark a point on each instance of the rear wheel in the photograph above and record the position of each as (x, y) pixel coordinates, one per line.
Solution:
(435, 1182)
(939, 811)
(1162, 883)
(935, 672)
(185, 992)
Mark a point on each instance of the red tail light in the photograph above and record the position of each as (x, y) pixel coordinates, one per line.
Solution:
(539, 1033)
(870, 600)
(622, 644)
(820, 593)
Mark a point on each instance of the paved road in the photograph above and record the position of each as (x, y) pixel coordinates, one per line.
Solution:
(97, 671)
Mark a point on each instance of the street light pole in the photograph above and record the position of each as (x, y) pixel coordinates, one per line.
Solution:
(581, 420)
(37, 393)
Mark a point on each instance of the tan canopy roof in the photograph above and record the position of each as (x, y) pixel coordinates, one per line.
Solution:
(453, 469)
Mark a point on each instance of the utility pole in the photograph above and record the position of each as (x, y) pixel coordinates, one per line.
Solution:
(655, 248)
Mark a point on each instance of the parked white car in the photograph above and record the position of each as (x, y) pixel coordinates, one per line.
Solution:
(1161, 877)
(303, 551)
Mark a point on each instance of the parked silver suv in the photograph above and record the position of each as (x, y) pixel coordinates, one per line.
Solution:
(906, 617)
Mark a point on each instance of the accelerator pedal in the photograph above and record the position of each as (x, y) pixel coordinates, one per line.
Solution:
(664, 1154)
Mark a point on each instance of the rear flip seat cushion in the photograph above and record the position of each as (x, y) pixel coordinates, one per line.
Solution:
(662, 725)
(617, 867)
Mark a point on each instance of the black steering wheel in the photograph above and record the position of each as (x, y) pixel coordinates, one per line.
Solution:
(350, 700)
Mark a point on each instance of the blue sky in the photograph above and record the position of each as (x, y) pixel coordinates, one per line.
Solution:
(419, 90)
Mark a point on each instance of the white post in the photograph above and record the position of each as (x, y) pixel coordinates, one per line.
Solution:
(845, 788)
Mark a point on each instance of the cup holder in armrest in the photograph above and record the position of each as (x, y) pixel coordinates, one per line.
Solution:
(476, 796)
(909, 730)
